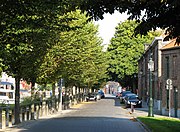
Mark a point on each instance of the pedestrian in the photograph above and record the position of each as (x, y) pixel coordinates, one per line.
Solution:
(132, 108)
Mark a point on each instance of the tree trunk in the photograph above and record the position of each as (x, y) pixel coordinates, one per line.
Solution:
(17, 100)
(53, 89)
(33, 89)
(53, 96)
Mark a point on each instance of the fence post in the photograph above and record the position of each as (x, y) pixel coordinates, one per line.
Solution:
(40, 110)
(23, 114)
(7, 115)
(45, 108)
(32, 111)
(27, 112)
(3, 119)
(13, 116)
(57, 106)
(10, 118)
(37, 111)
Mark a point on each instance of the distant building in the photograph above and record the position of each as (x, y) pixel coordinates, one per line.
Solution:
(7, 89)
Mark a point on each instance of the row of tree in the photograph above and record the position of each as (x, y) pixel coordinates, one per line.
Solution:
(124, 51)
(42, 41)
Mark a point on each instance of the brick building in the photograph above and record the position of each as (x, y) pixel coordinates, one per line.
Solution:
(171, 70)
(166, 58)
(153, 50)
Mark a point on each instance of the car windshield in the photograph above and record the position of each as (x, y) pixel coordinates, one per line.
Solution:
(133, 97)
(126, 92)
(130, 94)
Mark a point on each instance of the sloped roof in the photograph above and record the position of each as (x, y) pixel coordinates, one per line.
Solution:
(171, 44)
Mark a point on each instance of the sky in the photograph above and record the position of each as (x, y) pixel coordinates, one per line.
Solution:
(108, 24)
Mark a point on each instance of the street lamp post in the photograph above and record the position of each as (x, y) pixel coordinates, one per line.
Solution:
(151, 69)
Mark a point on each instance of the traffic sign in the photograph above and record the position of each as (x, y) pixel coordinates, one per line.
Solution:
(169, 81)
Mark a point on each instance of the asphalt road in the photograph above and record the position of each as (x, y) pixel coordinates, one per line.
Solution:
(105, 115)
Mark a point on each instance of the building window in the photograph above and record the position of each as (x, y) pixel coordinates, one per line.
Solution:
(174, 66)
(167, 100)
(167, 67)
(175, 101)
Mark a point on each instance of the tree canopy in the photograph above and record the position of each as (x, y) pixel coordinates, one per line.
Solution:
(27, 30)
(164, 14)
(77, 56)
(125, 50)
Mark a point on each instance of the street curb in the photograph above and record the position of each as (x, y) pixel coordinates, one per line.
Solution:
(145, 127)
(140, 122)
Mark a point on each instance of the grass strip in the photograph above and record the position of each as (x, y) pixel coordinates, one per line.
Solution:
(161, 124)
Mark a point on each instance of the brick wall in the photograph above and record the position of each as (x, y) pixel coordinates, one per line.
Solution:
(171, 70)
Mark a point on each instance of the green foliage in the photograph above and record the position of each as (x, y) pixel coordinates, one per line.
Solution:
(29, 100)
(40, 40)
(27, 30)
(26, 101)
(125, 50)
(44, 87)
(164, 14)
(77, 56)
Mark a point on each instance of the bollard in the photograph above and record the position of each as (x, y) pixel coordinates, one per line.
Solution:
(10, 118)
(32, 112)
(53, 104)
(40, 110)
(48, 108)
(3, 119)
(37, 112)
(57, 106)
(23, 114)
(27, 113)
(7, 116)
(43, 108)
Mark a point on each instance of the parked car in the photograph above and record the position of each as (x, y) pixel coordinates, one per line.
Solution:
(100, 92)
(122, 94)
(91, 97)
(127, 95)
(98, 96)
(134, 100)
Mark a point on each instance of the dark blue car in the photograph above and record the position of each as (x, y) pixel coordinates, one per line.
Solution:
(100, 92)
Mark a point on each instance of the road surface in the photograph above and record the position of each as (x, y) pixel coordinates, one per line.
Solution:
(105, 115)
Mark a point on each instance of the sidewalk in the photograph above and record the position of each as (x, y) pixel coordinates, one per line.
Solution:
(144, 112)
(28, 123)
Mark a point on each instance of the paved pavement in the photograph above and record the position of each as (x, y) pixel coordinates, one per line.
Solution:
(144, 112)
(105, 115)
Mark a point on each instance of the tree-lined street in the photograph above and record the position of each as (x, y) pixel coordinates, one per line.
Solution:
(54, 47)
(105, 115)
